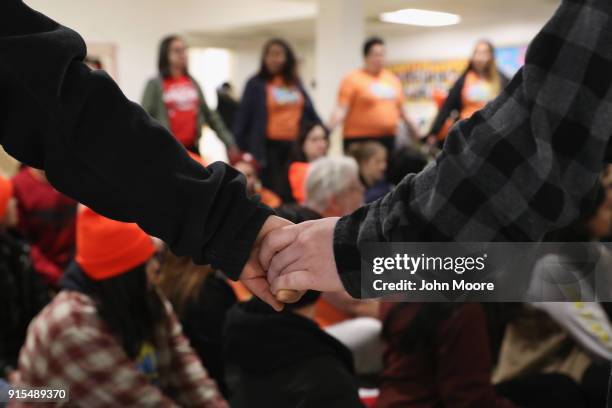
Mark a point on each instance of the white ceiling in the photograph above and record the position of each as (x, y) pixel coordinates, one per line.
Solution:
(473, 12)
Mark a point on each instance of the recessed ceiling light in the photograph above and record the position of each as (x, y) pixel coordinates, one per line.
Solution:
(419, 17)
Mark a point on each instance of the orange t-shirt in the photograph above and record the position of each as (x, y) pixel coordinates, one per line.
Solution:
(297, 180)
(477, 92)
(285, 106)
(374, 103)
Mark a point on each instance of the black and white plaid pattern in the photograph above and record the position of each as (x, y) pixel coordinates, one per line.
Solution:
(522, 166)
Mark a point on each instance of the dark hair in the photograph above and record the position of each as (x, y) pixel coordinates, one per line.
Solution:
(130, 307)
(296, 214)
(371, 42)
(289, 71)
(404, 161)
(298, 147)
(163, 60)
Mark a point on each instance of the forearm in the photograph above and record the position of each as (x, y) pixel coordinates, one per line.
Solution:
(337, 117)
(516, 169)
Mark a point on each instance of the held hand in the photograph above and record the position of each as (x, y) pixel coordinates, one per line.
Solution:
(253, 276)
(301, 257)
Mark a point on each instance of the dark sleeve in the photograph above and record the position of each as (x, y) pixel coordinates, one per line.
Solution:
(463, 361)
(150, 98)
(213, 119)
(504, 80)
(520, 167)
(453, 103)
(106, 152)
(325, 382)
(244, 115)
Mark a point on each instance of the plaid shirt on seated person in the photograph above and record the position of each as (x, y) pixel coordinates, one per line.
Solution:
(69, 347)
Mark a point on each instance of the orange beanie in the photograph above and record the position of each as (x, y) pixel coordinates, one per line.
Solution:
(106, 248)
(6, 192)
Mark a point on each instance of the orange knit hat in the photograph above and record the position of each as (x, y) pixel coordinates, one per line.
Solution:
(6, 193)
(106, 248)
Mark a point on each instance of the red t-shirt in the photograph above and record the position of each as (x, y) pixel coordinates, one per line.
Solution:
(182, 103)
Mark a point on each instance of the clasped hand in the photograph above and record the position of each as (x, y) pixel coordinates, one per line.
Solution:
(288, 259)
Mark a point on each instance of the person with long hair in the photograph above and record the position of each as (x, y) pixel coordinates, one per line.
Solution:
(109, 337)
(272, 109)
(176, 100)
(201, 297)
(480, 83)
(311, 144)
(371, 101)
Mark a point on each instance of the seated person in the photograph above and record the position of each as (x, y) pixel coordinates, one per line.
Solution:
(24, 293)
(333, 189)
(372, 160)
(109, 337)
(438, 355)
(302, 364)
(247, 165)
(201, 298)
(311, 144)
(285, 360)
(46, 221)
(568, 337)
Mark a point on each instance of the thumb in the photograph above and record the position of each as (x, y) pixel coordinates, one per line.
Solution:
(296, 280)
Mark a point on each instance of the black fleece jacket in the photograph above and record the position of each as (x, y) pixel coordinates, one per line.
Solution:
(104, 151)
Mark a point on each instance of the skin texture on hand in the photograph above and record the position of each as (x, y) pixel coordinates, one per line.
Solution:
(253, 275)
(301, 257)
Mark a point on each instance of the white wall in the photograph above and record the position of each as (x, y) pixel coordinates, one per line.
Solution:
(136, 26)
(450, 43)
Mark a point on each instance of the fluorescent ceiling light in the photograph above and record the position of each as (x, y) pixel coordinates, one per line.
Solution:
(419, 17)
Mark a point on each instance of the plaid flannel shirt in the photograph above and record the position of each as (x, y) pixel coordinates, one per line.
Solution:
(69, 346)
(522, 166)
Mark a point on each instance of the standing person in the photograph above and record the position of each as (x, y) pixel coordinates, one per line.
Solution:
(102, 150)
(176, 100)
(312, 144)
(109, 337)
(272, 109)
(46, 221)
(480, 83)
(371, 101)
(227, 104)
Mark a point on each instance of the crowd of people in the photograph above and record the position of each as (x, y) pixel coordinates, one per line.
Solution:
(103, 309)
